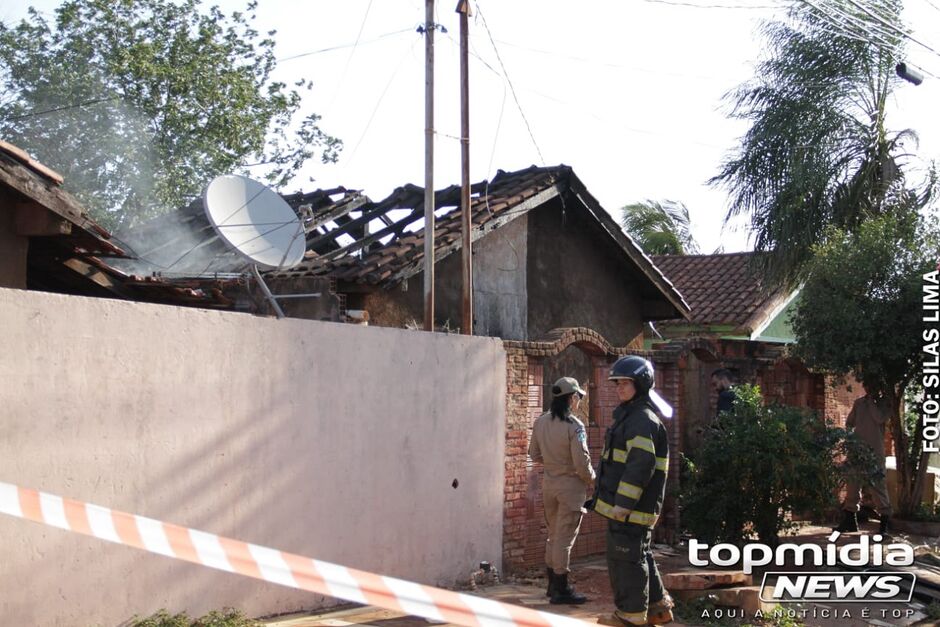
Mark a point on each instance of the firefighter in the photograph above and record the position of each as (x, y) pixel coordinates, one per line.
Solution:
(631, 485)
(560, 444)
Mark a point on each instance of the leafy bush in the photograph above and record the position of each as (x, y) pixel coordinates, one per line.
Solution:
(226, 618)
(758, 465)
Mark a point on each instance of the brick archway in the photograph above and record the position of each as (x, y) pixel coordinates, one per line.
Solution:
(523, 523)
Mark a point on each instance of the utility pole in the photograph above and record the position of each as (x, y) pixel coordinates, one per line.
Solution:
(429, 165)
(463, 8)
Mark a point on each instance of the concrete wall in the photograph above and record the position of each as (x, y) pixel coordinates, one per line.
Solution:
(578, 278)
(332, 441)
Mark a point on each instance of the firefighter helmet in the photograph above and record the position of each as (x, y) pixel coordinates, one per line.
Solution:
(636, 368)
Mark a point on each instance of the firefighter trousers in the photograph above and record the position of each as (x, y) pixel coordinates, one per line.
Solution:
(634, 576)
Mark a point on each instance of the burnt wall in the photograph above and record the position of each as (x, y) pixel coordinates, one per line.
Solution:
(13, 247)
(499, 289)
(578, 277)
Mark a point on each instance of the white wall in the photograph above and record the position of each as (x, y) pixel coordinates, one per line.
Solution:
(335, 442)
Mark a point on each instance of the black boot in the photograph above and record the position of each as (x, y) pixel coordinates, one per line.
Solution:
(885, 524)
(564, 593)
(551, 582)
(849, 522)
(865, 514)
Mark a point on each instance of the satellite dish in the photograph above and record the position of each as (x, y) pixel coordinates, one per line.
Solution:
(255, 221)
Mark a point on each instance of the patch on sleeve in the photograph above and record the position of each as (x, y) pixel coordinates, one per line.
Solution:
(582, 436)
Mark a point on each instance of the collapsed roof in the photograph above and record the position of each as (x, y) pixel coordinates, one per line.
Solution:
(354, 240)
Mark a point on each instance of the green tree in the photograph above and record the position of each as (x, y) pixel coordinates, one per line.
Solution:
(759, 464)
(139, 103)
(860, 314)
(818, 152)
(659, 228)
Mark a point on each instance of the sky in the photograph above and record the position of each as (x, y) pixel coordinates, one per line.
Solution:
(630, 93)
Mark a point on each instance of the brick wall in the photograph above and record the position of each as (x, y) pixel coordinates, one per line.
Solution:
(782, 379)
(524, 522)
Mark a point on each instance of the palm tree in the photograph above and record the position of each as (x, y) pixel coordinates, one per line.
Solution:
(659, 228)
(818, 152)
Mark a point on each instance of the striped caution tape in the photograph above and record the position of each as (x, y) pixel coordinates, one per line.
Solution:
(270, 565)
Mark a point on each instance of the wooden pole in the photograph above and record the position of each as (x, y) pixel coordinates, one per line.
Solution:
(463, 7)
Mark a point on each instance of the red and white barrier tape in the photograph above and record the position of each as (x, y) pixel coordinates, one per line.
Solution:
(270, 565)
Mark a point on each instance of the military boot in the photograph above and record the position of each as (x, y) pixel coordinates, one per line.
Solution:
(865, 513)
(551, 582)
(564, 592)
(885, 525)
(849, 522)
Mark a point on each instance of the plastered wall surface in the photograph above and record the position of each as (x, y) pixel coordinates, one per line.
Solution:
(335, 442)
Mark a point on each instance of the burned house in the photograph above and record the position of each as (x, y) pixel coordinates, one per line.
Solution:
(554, 277)
(48, 242)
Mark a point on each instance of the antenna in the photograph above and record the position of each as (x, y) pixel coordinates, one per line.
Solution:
(258, 224)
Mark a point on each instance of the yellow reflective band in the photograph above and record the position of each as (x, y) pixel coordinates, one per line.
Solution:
(643, 443)
(606, 510)
(629, 490)
(642, 518)
(620, 455)
(635, 618)
(662, 463)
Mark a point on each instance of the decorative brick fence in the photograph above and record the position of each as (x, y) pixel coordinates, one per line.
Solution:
(524, 522)
(679, 364)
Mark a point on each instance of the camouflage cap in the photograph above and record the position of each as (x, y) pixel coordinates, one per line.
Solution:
(567, 385)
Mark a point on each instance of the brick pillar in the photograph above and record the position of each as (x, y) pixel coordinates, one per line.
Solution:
(670, 384)
(518, 426)
(534, 530)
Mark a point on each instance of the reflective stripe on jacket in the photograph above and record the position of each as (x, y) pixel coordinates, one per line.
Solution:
(634, 464)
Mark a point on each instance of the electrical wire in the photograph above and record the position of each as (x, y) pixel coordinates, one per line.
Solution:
(893, 27)
(342, 78)
(290, 58)
(508, 80)
(342, 46)
(378, 103)
(62, 108)
(853, 26)
(713, 6)
(930, 2)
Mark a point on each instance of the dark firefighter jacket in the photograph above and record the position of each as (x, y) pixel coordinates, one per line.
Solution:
(634, 464)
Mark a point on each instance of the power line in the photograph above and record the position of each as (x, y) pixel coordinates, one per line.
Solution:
(852, 27)
(342, 46)
(62, 108)
(713, 6)
(891, 26)
(352, 52)
(379, 101)
(508, 80)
